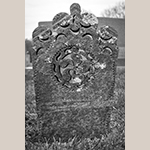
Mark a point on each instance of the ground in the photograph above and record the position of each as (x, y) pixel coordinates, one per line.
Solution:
(114, 140)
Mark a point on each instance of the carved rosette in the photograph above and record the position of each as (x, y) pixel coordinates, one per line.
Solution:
(74, 62)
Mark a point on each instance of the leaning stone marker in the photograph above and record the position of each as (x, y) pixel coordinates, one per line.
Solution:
(74, 67)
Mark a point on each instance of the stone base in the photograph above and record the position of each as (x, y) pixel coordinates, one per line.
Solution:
(79, 123)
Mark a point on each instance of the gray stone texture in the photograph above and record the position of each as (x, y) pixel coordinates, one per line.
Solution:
(74, 65)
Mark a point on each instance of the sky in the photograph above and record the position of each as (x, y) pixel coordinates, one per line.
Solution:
(45, 10)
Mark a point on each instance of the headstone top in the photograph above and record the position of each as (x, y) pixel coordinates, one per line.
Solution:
(73, 48)
(75, 9)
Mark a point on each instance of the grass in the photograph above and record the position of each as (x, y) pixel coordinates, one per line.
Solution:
(114, 140)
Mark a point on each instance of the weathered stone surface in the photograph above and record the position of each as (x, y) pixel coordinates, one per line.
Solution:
(74, 74)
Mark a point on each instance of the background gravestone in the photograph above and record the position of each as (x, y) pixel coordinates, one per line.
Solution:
(74, 67)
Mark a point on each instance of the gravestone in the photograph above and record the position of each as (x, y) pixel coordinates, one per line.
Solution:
(74, 66)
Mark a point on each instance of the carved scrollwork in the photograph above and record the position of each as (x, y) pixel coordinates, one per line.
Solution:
(73, 65)
(75, 45)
